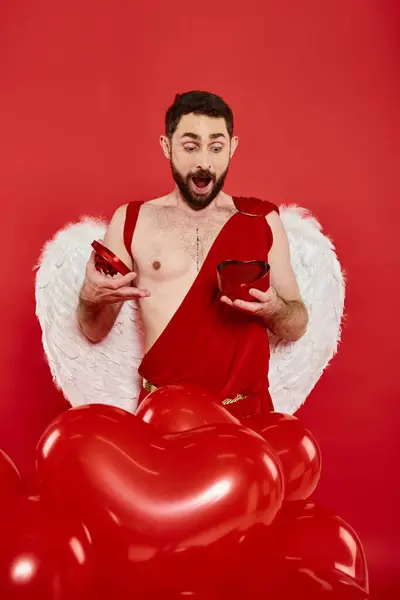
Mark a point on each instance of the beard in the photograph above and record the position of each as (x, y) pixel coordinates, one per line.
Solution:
(198, 201)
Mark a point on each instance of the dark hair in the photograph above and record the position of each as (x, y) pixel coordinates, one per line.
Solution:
(199, 103)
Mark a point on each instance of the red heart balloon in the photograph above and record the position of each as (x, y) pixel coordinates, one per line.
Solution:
(178, 408)
(199, 594)
(307, 552)
(313, 537)
(43, 556)
(289, 583)
(296, 448)
(175, 408)
(10, 479)
(178, 504)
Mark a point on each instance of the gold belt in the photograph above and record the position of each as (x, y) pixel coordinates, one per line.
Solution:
(149, 387)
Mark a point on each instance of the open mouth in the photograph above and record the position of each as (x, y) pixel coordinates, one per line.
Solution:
(202, 185)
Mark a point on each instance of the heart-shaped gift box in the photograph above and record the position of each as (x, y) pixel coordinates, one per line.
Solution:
(236, 278)
(107, 262)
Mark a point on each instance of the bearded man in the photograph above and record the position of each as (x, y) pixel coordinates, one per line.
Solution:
(193, 334)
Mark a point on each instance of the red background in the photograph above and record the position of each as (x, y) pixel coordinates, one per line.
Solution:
(315, 90)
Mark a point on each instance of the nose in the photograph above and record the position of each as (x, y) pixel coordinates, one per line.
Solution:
(203, 160)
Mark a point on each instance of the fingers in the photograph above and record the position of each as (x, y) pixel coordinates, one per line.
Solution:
(91, 258)
(91, 270)
(260, 296)
(112, 282)
(251, 307)
(131, 293)
(226, 300)
(122, 281)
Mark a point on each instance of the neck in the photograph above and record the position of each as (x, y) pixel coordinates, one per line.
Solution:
(219, 201)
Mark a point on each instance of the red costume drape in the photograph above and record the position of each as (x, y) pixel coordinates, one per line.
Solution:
(207, 342)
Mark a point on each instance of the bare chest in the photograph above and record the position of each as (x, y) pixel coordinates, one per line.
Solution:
(169, 243)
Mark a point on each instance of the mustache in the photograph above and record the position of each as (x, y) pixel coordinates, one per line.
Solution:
(203, 174)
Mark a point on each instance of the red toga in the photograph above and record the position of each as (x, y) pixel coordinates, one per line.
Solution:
(207, 342)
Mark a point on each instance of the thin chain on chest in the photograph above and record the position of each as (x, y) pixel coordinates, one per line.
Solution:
(197, 250)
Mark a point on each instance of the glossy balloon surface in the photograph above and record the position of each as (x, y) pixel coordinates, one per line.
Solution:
(10, 479)
(43, 556)
(313, 537)
(173, 505)
(174, 408)
(296, 448)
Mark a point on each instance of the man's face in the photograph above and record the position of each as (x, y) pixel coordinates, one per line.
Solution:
(200, 152)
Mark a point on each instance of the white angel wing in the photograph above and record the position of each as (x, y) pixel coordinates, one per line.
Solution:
(87, 373)
(296, 367)
(107, 372)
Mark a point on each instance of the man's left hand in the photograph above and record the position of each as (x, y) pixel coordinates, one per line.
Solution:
(266, 304)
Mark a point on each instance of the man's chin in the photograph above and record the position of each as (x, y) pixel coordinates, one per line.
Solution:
(199, 200)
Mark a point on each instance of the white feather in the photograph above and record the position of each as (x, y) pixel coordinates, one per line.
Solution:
(107, 372)
(296, 367)
(87, 373)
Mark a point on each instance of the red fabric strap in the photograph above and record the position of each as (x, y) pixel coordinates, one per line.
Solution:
(132, 213)
(249, 206)
(254, 206)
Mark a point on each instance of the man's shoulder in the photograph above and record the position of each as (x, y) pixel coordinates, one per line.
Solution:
(132, 208)
(154, 203)
(255, 207)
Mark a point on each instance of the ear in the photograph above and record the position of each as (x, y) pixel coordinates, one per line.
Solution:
(166, 146)
(234, 145)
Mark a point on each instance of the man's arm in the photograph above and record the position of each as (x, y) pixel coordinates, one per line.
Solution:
(289, 320)
(285, 313)
(101, 297)
(281, 306)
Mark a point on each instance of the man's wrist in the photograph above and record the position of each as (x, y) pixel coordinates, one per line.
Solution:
(85, 300)
(288, 321)
(275, 309)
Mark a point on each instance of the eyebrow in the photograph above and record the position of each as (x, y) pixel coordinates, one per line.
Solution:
(195, 136)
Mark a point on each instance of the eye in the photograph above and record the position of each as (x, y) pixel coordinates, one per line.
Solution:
(190, 148)
(216, 149)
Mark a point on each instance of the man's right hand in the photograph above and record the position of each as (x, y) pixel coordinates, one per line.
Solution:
(99, 289)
